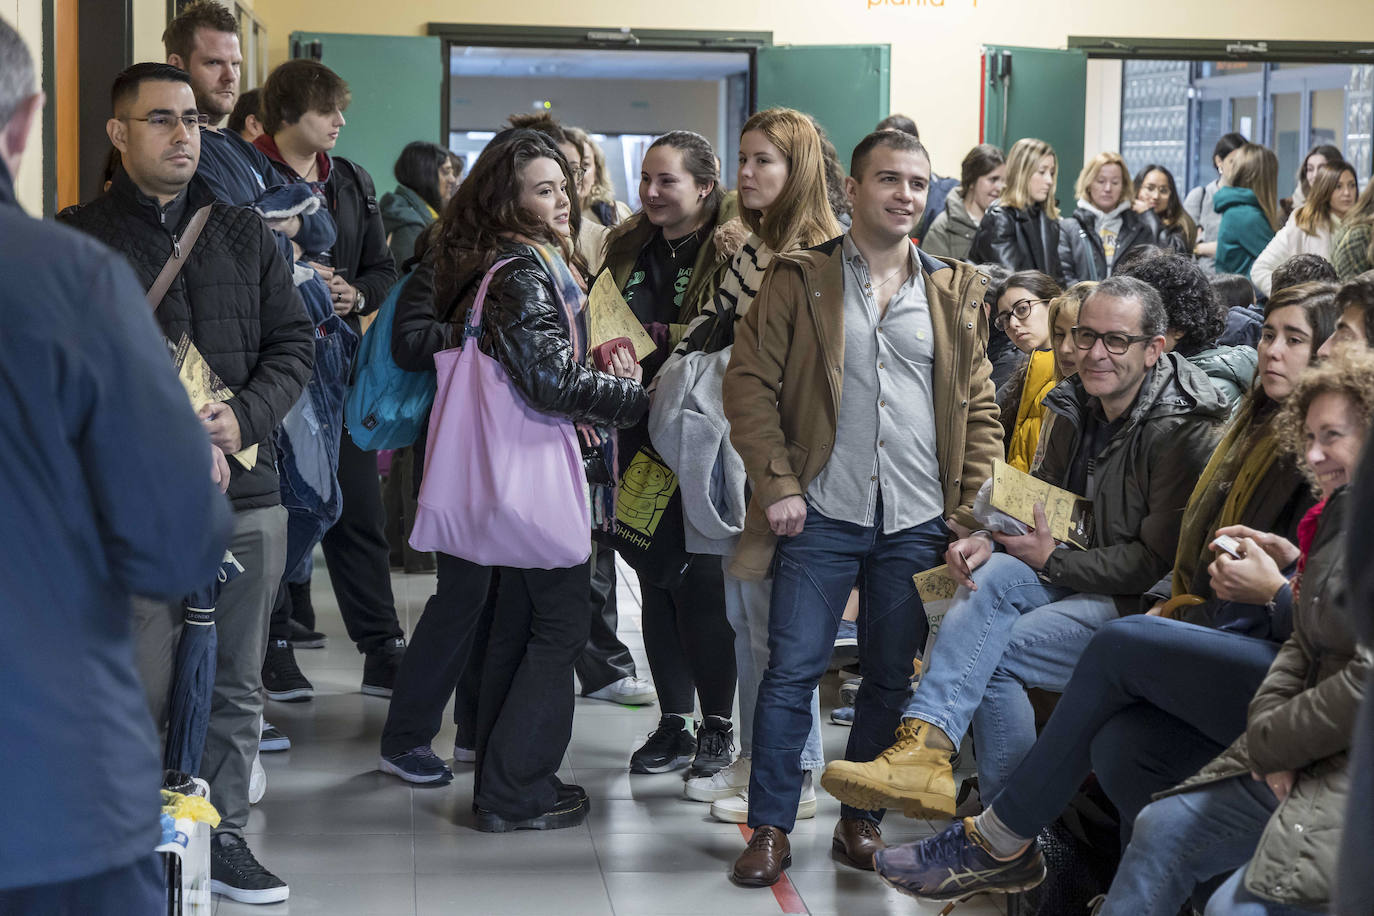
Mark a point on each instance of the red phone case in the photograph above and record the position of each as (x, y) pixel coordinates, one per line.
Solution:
(602, 353)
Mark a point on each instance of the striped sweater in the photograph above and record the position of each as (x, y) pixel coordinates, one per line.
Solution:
(714, 328)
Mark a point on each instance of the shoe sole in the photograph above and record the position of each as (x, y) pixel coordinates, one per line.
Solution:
(806, 810)
(386, 766)
(847, 723)
(759, 882)
(696, 793)
(875, 796)
(243, 895)
(487, 822)
(308, 643)
(272, 747)
(962, 896)
(676, 763)
(634, 699)
(842, 853)
(368, 690)
(295, 695)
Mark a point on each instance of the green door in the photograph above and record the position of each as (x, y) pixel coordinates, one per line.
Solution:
(1037, 92)
(396, 84)
(844, 87)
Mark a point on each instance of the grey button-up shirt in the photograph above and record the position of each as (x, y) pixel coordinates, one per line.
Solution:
(885, 438)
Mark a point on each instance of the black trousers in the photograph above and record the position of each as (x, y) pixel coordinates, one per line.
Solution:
(689, 642)
(525, 711)
(605, 659)
(449, 634)
(357, 555)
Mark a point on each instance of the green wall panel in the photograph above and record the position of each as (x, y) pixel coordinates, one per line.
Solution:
(844, 87)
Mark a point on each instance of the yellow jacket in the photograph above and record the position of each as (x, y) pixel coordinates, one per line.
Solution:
(1030, 413)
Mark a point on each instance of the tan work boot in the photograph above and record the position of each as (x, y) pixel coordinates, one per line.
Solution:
(911, 776)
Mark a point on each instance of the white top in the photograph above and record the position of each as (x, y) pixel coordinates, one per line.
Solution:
(1289, 240)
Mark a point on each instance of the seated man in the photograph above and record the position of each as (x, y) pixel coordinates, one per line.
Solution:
(1135, 428)
(1355, 328)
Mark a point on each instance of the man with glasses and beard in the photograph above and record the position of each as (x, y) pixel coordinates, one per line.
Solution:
(1136, 426)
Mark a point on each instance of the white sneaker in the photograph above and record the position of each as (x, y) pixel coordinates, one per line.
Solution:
(257, 782)
(628, 691)
(729, 781)
(735, 809)
(464, 754)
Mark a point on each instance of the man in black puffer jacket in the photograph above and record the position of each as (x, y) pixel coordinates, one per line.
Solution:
(235, 301)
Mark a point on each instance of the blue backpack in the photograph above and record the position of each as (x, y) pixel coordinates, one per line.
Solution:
(387, 406)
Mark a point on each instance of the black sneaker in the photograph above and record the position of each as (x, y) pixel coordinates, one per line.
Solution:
(272, 739)
(569, 811)
(669, 747)
(419, 765)
(379, 670)
(715, 747)
(281, 677)
(236, 874)
(303, 637)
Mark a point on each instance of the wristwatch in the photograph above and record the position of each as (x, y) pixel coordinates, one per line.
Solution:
(359, 301)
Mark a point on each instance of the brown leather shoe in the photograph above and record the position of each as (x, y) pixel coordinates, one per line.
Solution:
(762, 862)
(856, 840)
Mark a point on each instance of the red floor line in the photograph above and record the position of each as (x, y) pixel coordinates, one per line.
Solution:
(784, 892)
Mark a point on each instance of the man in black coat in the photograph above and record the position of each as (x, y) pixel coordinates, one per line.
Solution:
(234, 301)
(302, 107)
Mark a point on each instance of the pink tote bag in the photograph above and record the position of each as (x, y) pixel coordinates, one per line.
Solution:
(503, 483)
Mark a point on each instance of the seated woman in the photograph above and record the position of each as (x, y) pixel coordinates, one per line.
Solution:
(1150, 701)
(1063, 315)
(1309, 229)
(1022, 313)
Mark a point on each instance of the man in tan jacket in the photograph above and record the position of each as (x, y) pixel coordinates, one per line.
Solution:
(859, 395)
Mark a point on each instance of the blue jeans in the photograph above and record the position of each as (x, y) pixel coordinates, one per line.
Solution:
(1150, 702)
(1232, 899)
(813, 574)
(1015, 632)
(1183, 840)
(746, 607)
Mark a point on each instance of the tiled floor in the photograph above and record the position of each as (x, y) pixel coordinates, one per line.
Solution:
(353, 841)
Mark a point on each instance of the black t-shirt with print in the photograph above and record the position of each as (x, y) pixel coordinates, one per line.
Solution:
(660, 278)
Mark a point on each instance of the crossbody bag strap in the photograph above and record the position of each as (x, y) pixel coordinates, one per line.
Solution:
(181, 250)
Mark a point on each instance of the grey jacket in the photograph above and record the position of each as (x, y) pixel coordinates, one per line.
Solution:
(1143, 479)
(687, 427)
(951, 235)
(1302, 718)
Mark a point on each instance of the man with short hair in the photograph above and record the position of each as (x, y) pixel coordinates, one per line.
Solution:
(302, 109)
(1133, 432)
(107, 494)
(1355, 328)
(859, 397)
(234, 301)
(244, 119)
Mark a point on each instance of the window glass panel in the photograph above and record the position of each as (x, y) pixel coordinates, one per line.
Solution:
(1245, 116)
(1328, 118)
(1287, 120)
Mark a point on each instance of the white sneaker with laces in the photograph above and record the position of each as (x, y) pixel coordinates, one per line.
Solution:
(628, 691)
(727, 782)
(735, 809)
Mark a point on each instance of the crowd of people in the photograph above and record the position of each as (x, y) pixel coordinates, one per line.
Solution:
(838, 356)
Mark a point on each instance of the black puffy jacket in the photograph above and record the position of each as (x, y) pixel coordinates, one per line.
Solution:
(236, 301)
(523, 328)
(1018, 239)
(1080, 247)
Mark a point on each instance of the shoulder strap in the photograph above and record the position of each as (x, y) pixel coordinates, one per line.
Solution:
(181, 250)
(474, 323)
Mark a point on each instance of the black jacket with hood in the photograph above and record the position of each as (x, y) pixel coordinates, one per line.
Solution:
(1081, 255)
(1018, 239)
(234, 298)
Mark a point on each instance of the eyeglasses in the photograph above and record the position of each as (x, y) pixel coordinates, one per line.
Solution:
(1021, 308)
(165, 123)
(1116, 344)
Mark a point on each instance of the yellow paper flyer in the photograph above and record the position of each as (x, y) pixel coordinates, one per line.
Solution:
(609, 317)
(203, 387)
(1015, 492)
(935, 584)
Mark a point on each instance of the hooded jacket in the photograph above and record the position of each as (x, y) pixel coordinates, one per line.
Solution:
(404, 216)
(1303, 718)
(1244, 230)
(1018, 239)
(782, 388)
(234, 298)
(1143, 478)
(951, 234)
(1081, 255)
(1231, 369)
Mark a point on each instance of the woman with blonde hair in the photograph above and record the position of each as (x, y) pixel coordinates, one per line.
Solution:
(595, 189)
(1249, 206)
(1021, 230)
(784, 204)
(1352, 244)
(1104, 226)
(1309, 229)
